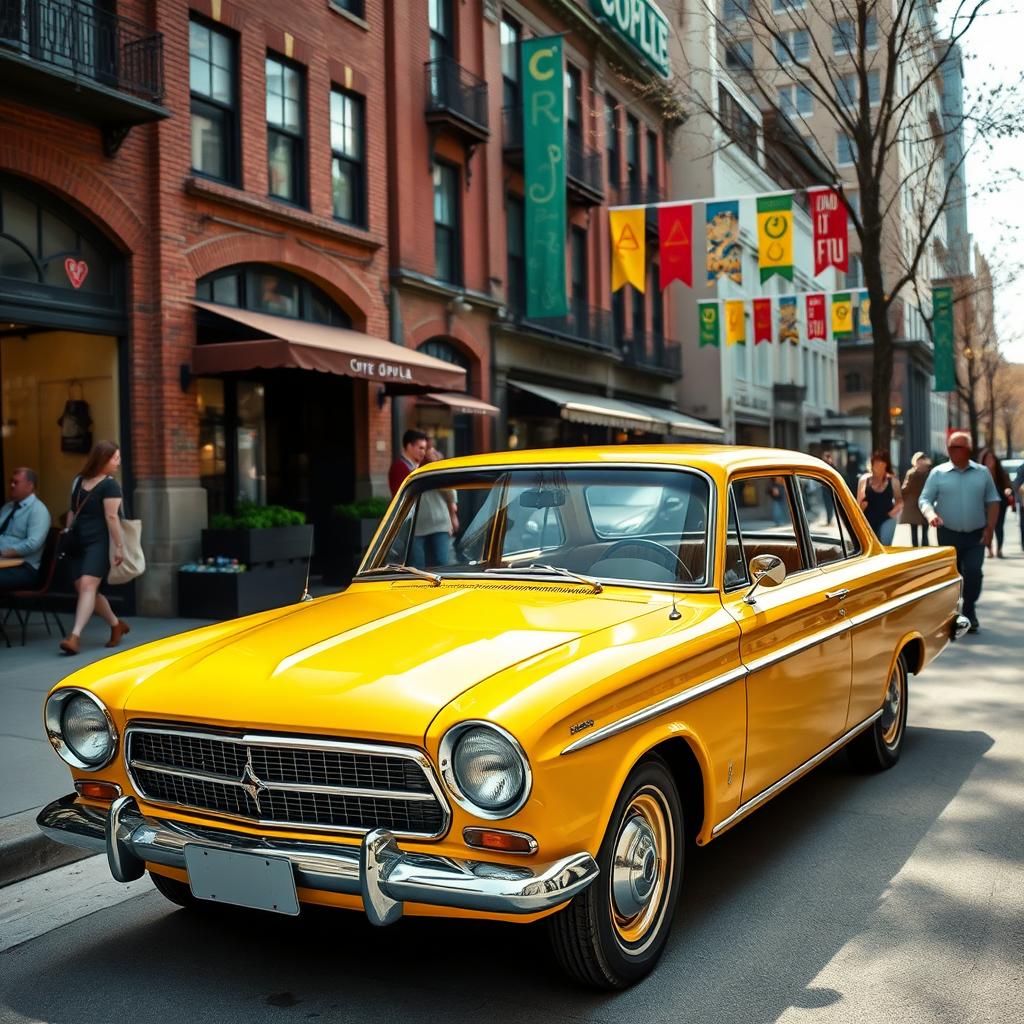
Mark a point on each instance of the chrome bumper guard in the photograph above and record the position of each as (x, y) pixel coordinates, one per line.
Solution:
(377, 870)
(959, 626)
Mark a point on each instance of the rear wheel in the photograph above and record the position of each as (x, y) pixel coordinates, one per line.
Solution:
(175, 891)
(614, 932)
(878, 747)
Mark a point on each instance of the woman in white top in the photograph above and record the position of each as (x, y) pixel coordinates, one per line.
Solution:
(437, 520)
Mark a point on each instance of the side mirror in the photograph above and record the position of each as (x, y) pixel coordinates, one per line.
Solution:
(767, 571)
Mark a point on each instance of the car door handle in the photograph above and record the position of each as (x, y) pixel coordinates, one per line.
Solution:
(837, 595)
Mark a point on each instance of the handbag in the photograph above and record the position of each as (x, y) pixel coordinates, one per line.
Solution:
(134, 562)
(70, 541)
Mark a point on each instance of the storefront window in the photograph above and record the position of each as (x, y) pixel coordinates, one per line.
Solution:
(251, 444)
(267, 289)
(212, 441)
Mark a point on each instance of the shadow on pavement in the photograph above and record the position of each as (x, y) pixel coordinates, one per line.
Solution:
(765, 908)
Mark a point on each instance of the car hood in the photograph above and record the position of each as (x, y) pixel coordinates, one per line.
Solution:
(379, 661)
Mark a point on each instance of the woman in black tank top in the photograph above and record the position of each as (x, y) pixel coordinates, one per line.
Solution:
(880, 497)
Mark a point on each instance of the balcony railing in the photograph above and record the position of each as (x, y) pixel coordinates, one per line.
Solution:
(651, 351)
(583, 172)
(75, 38)
(457, 97)
(583, 324)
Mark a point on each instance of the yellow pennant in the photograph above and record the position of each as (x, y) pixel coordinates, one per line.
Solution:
(628, 238)
(775, 236)
(842, 314)
(735, 322)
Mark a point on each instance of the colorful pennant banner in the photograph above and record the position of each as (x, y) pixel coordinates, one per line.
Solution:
(817, 326)
(762, 320)
(942, 339)
(628, 248)
(722, 228)
(864, 316)
(842, 315)
(675, 242)
(831, 238)
(775, 237)
(788, 328)
(710, 333)
(735, 322)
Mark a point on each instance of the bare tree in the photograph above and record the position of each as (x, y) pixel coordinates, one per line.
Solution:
(873, 73)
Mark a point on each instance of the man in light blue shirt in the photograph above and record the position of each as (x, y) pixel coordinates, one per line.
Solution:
(24, 523)
(960, 499)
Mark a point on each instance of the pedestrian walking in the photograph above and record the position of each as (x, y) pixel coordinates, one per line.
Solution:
(880, 496)
(989, 459)
(94, 541)
(1018, 492)
(960, 500)
(414, 448)
(920, 467)
(24, 523)
(437, 521)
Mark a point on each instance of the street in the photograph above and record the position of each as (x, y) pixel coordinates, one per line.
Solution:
(893, 897)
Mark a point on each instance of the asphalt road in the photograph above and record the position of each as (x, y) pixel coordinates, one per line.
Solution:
(895, 897)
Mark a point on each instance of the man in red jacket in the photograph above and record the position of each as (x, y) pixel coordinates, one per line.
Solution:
(414, 449)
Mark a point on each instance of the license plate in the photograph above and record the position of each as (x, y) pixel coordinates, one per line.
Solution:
(242, 879)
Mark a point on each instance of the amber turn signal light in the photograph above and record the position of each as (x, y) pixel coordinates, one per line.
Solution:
(499, 839)
(97, 790)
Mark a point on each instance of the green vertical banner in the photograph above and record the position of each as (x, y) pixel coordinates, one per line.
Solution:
(543, 81)
(710, 329)
(942, 339)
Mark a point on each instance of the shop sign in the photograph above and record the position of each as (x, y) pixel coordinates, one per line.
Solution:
(379, 370)
(642, 24)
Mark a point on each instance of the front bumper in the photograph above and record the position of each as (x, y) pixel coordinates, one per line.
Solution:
(377, 870)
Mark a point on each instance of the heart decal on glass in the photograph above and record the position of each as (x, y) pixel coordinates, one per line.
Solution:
(77, 271)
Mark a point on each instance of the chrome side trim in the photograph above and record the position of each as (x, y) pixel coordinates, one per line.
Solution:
(397, 877)
(766, 794)
(291, 743)
(654, 710)
(899, 602)
(797, 646)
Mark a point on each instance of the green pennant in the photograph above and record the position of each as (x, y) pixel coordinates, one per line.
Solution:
(710, 324)
(942, 339)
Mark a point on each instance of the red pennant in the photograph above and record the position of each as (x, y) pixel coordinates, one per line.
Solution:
(831, 241)
(817, 326)
(675, 239)
(762, 320)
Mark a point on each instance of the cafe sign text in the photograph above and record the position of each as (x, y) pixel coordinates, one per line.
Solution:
(642, 24)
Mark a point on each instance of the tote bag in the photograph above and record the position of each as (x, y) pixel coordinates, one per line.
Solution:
(134, 563)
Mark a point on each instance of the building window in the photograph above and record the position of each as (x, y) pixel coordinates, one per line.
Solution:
(442, 29)
(797, 42)
(516, 290)
(447, 251)
(874, 88)
(574, 108)
(511, 49)
(611, 131)
(286, 129)
(846, 90)
(639, 316)
(852, 383)
(348, 157)
(652, 167)
(739, 55)
(780, 6)
(619, 316)
(846, 150)
(212, 59)
(580, 277)
(854, 276)
(356, 7)
(657, 304)
(735, 10)
(633, 154)
(844, 35)
(853, 200)
(796, 99)
(267, 289)
(736, 122)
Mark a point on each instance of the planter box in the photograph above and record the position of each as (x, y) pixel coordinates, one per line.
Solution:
(253, 547)
(347, 539)
(226, 595)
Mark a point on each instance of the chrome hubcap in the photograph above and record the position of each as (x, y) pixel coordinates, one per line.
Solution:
(635, 869)
(890, 720)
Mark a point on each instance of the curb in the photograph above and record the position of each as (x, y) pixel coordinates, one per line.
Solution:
(26, 852)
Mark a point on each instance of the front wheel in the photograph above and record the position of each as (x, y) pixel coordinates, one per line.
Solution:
(879, 747)
(614, 932)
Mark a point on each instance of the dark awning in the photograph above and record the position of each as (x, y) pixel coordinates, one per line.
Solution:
(303, 345)
(458, 402)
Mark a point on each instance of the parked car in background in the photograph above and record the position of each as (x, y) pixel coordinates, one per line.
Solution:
(625, 652)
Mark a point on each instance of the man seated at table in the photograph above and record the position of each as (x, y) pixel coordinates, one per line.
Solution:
(24, 522)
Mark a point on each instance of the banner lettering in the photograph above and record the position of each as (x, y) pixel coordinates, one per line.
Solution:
(762, 321)
(709, 328)
(628, 248)
(735, 322)
(817, 325)
(831, 239)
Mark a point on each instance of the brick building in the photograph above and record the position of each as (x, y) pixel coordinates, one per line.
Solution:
(201, 206)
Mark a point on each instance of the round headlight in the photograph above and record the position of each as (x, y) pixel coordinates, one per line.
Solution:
(80, 729)
(486, 769)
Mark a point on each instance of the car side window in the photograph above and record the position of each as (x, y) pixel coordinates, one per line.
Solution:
(735, 565)
(528, 528)
(767, 521)
(822, 512)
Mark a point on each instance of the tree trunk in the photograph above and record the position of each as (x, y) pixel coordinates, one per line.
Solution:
(882, 343)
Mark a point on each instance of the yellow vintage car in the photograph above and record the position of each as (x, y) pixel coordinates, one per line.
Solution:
(553, 672)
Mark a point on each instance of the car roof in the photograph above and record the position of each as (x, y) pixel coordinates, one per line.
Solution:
(718, 460)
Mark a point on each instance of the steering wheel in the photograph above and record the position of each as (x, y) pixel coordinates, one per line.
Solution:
(662, 552)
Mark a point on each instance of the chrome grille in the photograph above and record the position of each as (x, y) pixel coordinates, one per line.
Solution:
(333, 785)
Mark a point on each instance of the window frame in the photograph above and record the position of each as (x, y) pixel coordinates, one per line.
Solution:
(846, 530)
(299, 140)
(230, 112)
(360, 205)
(455, 228)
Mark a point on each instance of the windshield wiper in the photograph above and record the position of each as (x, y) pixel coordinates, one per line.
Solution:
(410, 569)
(556, 569)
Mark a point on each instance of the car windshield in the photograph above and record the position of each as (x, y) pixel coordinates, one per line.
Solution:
(607, 523)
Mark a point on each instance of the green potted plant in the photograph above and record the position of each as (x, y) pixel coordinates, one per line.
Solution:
(351, 529)
(257, 534)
